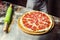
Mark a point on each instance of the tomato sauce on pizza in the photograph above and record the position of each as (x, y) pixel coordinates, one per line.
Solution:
(36, 21)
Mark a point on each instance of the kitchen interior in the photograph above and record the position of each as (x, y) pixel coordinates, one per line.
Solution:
(14, 33)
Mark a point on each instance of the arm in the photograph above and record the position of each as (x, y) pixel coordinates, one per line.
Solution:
(37, 5)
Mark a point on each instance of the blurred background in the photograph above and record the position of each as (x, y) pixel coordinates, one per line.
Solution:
(53, 6)
(19, 2)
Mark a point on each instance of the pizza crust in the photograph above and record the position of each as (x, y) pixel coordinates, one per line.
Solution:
(27, 30)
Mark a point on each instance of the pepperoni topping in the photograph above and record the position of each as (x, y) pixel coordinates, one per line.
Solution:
(36, 20)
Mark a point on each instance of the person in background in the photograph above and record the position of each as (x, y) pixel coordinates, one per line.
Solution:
(39, 5)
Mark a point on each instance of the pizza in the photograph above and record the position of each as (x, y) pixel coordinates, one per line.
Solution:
(35, 22)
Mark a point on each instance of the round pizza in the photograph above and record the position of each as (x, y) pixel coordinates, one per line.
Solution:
(35, 22)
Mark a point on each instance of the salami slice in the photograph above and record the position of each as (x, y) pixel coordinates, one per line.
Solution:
(35, 22)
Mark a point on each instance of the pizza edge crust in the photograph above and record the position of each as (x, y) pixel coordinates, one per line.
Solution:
(32, 32)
